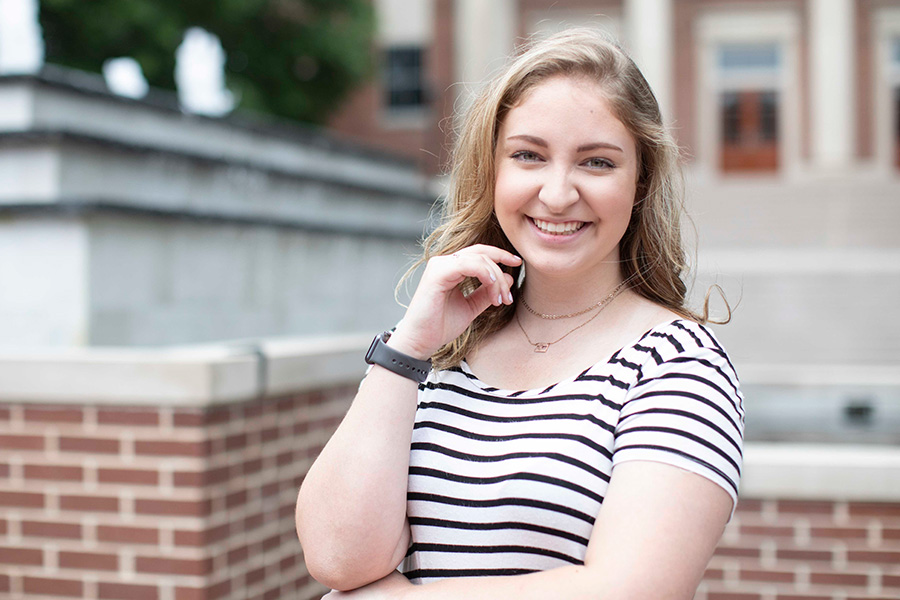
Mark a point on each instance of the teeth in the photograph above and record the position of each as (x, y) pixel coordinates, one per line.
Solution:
(566, 228)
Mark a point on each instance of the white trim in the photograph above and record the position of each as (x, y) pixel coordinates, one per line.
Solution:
(182, 376)
(832, 375)
(714, 27)
(832, 106)
(821, 472)
(886, 25)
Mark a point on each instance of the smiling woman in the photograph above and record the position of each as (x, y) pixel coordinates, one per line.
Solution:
(549, 419)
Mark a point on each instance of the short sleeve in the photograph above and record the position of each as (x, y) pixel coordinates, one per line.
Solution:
(685, 409)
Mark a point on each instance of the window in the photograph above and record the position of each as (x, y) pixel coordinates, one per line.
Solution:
(749, 106)
(403, 74)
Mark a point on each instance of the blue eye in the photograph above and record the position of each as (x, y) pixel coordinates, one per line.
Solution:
(599, 163)
(526, 156)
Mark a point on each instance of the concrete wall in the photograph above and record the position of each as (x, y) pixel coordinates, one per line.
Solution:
(128, 223)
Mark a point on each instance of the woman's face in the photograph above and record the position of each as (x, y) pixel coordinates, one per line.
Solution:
(566, 174)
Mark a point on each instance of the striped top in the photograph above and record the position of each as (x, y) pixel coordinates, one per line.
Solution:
(506, 482)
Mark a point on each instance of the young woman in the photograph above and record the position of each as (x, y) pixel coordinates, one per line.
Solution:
(577, 433)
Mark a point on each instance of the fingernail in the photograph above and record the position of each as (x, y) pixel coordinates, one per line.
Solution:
(493, 278)
(499, 298)
(509, 295)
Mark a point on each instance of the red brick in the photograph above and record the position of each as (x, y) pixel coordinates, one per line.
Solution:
(269, 435)
(789, 554)
(806, 507)
(89, 503)
(737, 552)
(238, 498)
(4, 413)
(202, 538)
(731, 596)
(874, 556)
(184, 508)
(767, 531)
(53, 472)
(801, 597)
(270, 489)
(889, 533)
(271, 543)
(3, 526)
(201, 478)
(236, 442)
(4, 583)
(4, 471)
(129, 476)
(188, 419)
(54, 414)
(290, 560)
(88, 560)
(253, 522)
(771, 576)
(21, 442)
(254, 576)
(254, 465)
(134, 417)
(838, 579)
(285, 458)
(838, 532)
(91, 445)
(16, 555)
(170, 448)
(22, 499)
(173, 566)
(52, 587)
(124, 591)
(127, 535)
(874, 509)
(238, 555)
(51, 529)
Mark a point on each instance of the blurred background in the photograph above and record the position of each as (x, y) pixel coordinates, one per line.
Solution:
(205, 207)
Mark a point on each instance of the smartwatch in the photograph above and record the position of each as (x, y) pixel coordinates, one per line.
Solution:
(402, 364)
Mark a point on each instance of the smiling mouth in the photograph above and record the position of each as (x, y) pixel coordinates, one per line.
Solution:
(567, 228)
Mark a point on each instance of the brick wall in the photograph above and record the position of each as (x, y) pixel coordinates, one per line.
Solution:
(807, 550)
(148, 503)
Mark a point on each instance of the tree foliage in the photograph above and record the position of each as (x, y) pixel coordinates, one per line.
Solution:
(294, 58)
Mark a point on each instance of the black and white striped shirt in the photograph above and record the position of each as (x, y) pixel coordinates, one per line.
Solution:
(505, 482)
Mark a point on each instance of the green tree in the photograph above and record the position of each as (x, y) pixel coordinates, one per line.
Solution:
(294, 58)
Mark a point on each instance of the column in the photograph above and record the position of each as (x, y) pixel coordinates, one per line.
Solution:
(832, 83)
(647, 27)
(485, 37)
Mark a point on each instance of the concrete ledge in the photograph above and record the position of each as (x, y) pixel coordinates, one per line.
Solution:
(182, 376)
(821, 472)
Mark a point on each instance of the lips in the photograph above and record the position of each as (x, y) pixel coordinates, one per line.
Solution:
(565, 228)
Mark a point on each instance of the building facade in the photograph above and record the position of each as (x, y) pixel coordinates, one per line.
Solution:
(788, 112)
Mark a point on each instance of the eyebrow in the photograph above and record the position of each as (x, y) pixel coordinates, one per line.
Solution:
(583, 148)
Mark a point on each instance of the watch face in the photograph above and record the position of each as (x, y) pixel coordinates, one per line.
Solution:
(371, 349)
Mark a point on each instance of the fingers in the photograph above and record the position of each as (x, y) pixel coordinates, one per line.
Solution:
(481, 262)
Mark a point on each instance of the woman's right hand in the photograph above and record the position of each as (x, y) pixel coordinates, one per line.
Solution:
(439, 312)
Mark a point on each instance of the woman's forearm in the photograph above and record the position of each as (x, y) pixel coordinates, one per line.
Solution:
(351, 510)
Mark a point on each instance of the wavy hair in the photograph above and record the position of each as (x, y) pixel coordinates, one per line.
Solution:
(651, 251)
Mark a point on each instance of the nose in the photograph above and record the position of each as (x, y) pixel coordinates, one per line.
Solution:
(558, 191)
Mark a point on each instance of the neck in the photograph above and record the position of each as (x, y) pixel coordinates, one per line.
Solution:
(553, 295)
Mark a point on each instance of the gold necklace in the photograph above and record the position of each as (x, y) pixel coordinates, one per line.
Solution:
(602, 303)
(542, 347)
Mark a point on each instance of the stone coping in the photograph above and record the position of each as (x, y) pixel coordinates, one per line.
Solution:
(196, 375)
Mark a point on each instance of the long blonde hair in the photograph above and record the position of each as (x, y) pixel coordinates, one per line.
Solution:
(651, 252)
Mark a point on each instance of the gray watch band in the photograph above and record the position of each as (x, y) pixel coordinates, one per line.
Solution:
(384, 356)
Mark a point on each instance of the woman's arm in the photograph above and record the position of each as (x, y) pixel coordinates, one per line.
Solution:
(351, 509)
(652, 540)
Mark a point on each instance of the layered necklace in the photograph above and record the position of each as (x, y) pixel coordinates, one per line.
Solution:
(542, 347)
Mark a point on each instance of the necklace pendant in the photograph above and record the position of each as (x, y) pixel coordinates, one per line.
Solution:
(541, 347)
